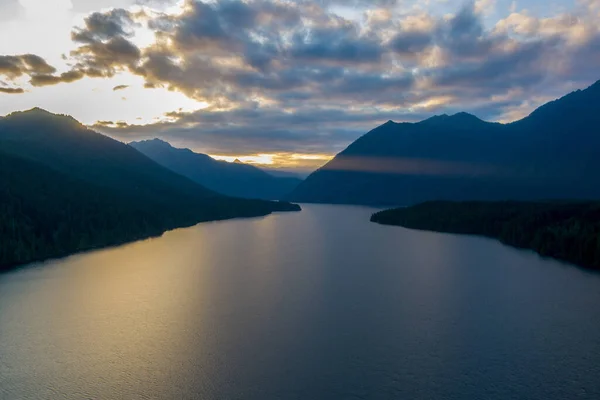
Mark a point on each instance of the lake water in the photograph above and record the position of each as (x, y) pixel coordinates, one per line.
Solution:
(320, 304)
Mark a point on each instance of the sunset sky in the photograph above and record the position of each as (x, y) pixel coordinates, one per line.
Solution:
(289, 83)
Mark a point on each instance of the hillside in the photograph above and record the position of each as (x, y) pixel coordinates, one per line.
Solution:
(65, 188)
(552, 153)
(233, 179)
(568, 231)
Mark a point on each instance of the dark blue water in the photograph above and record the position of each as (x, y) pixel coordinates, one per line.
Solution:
(320, 304)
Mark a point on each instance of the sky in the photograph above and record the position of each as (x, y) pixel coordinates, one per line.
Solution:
(289, 83)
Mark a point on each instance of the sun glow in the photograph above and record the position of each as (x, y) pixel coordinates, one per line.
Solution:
(264, 159)
(279, 160)
(433, 102)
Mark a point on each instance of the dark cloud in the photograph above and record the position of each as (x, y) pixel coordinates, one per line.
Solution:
(518, 67)
(584, 62)
(103, 26)
(214, 26)
(37, 64)
(460, 37)
(340, 44)
(120, 87)
(25, 64)
(464, 35)
(12, 66)
(254, 129)
(410, 42)
(39, 71)
(11, 90)
(150, 85)
(105, 44)
(105, 58)
(48, 80)
(101, 124)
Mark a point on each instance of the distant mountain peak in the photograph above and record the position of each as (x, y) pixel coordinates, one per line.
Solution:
(157, 144)
(155, 141)
(39, 115)
(36, 111)
(437, 118)
(460, 117)
(237, 161)
(466, 117)
(464, 114)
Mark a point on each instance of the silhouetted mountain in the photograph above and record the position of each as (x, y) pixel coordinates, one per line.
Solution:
(233, 179)
(65, 188)
(567, 231)
(552, 153)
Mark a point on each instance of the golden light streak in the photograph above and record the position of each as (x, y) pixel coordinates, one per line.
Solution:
(279, 160)
(264, 159)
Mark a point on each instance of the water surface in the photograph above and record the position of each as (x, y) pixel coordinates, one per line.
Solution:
(320, 304)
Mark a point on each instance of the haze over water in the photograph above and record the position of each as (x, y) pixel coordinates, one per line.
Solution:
(320, 304)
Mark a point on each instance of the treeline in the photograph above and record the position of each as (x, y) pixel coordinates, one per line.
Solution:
(568, 231)
(45, 213)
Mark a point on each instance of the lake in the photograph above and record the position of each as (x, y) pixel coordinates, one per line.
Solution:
(320, 304)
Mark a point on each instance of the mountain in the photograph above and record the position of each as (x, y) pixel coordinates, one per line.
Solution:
(62, 143)
(281, 173)
(233, 179)
(65, 188)
(552, 153)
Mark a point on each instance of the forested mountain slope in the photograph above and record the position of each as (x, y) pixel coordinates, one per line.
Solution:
(552, 153)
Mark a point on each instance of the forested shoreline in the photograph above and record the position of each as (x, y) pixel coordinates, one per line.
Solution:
(567, 231)
(65, 189)
(46, 214)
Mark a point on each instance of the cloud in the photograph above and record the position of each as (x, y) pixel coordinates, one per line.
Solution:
(100, 124)
(26, 64)
(307, 84)
(253, 129)
(11, 90)
(105, 46)
(339, 44)
(48, 80)
(103, 26)
(103, 51)
(106, 58)
(225, 52)
(295, 75)
(120, 87)
(521, 66)
(411, 42)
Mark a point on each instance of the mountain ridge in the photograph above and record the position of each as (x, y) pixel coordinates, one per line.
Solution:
(234, 179)
(549, 153)
(66, 188)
